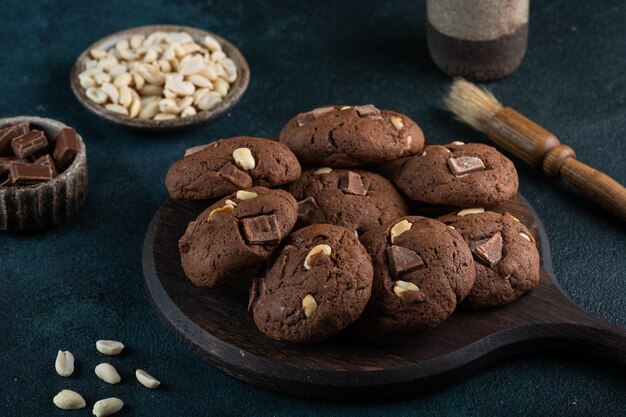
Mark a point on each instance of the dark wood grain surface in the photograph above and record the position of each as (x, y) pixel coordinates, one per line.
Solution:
(215, 326)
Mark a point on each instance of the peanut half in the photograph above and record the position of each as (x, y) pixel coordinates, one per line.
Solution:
(397, 122)
(218, 211)
(64, 363)
(107, 407)
(244, 195)
(322, 171)
(309, 305)
(69, 400)
(474, 210)
(400, 287)
(399, 228)
(146, 379)
(317, 250)
(244, 159)
(107, 373)
(109, 347)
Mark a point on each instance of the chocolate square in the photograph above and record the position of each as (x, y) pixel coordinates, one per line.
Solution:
(235, 175)
(309, 212)
(489, 251)
(29, 143)
(22, 173)
(351, 183)
(261, 229)
(369, 111)
(9, 133)
(48, 161)
(5, 161)
(196, 149)
(66, 147)
(464, 165)
(308, 117)
(306, 206)
(403, 261)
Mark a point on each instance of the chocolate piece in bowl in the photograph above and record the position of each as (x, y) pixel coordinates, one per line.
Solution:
(36, 193)
(5, 162)
(229, 165)
(29, 143)
(48, 161)
(9, 133)
(66, 147)
(22, 173)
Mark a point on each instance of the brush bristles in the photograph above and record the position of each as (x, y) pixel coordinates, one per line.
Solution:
(471, 104)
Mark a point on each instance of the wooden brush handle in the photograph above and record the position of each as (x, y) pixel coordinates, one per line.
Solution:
(540, 148)
(596, 185)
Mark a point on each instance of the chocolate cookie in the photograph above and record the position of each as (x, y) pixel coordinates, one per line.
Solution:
(347, 136)
(318, 284)
(229, 165)
(236, 233)
(507, 260)
(462, 175)
(356, 199)
(422, 270)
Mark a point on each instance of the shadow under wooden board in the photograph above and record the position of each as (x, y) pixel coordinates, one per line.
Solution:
(215, 326)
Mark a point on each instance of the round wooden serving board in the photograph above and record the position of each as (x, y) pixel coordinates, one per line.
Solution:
(214, 325)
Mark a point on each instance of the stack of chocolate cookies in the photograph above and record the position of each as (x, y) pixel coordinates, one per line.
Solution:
(338, 247)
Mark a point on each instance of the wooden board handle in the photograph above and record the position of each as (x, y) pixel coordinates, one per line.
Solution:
(538, 147)
(604, 343)
(596, 336)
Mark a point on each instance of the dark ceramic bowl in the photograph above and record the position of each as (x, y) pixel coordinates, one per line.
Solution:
(38, 206)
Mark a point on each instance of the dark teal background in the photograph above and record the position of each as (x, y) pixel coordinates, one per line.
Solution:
(82, 280)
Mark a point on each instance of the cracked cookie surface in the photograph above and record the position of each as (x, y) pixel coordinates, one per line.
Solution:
(422, 271)
(216, 169)
(238, 232)
(317, 285)
(347, 136)
(506, 257)
(462, 175)
(356, 199)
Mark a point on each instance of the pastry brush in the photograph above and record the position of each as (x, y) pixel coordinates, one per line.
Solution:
(533, 144)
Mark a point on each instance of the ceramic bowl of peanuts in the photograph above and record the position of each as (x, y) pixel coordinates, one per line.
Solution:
(160, 77)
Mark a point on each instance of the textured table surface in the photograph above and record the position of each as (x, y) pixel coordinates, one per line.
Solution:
(82, 280)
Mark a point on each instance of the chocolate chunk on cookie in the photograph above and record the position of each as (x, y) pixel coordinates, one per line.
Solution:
(356, 199)
(458, 174)
(317, 285)
(347, 136)
(228, 165)
(507, 260)
(236, 233)
(422, 270)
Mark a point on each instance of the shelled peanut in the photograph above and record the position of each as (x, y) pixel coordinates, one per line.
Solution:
(163, 76)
